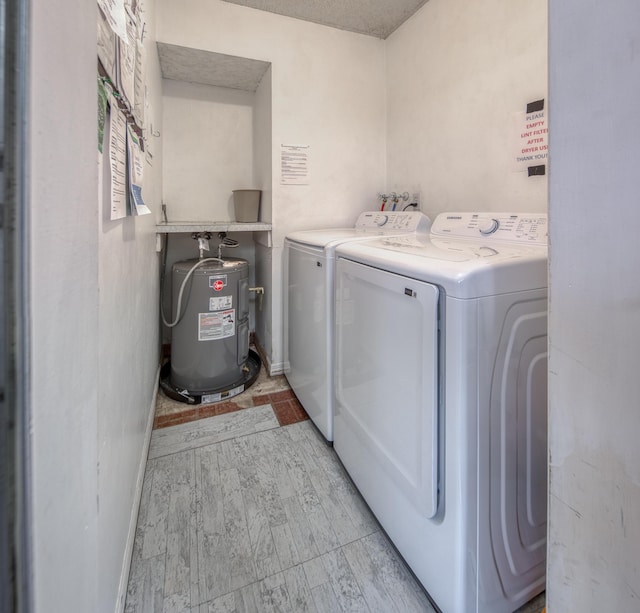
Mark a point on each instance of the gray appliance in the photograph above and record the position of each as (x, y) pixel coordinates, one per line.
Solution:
(210, 342)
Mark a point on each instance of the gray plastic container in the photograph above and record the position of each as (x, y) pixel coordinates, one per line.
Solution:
(246, 203)
(210, 343)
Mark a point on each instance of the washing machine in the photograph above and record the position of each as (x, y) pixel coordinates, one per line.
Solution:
(441, 401)
(309, 304)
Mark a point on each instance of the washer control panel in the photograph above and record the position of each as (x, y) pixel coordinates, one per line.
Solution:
(396, 221)
(514, 227)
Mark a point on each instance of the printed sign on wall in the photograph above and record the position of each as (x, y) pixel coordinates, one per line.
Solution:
(294, 164)
(531, 133)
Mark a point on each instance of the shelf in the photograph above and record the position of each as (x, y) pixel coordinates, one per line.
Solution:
(212, 226)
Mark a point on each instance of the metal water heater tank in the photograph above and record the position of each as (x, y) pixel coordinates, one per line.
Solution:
(210, 343)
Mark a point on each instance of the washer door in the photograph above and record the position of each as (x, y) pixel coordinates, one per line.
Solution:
(386, 414)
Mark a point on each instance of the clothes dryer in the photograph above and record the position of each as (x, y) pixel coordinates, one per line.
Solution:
(309, 304)
(441, 401)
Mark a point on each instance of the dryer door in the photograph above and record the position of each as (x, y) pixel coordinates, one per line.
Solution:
(386, 420)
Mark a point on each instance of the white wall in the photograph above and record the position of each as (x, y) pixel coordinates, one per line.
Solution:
(94, 328)
(263, 176)
(64, 307)
(128, 356)
(594, 415)
(208, 149)
(456, 73)
(327, 91)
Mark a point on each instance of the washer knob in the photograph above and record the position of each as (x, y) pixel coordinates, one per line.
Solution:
(489, 226)
(382, 219)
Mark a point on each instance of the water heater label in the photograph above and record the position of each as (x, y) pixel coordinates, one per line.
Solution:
(222, 395)
(220, 303)
(218, 282)
(218, 325)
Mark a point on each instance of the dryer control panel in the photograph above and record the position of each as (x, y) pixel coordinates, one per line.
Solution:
(515, 227)
(394, 221)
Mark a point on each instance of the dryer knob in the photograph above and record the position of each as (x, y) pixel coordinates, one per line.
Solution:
(489, 226)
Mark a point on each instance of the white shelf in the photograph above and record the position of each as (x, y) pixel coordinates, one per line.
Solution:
(212, 226)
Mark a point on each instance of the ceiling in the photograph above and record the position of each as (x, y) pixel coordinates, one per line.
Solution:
(377, 18)
(208, 68)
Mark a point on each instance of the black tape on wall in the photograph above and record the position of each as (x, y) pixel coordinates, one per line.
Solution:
(537, 170)
(533, 107)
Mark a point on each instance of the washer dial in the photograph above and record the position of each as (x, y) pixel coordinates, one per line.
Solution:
(488, 226)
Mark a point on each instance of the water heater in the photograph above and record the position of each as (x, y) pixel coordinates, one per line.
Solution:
(210, 342)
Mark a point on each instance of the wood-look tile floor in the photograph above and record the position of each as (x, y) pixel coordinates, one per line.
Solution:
(240, 513)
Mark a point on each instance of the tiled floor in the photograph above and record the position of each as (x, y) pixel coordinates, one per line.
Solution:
(266, 390)
(241, 514)
(250, 511)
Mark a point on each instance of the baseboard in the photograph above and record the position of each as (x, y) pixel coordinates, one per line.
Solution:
(137, 497)
(277, 368)
(271, 368)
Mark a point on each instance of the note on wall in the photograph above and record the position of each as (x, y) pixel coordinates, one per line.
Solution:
(139, 94)
(115, 13)
(135, 174)
(106, 46)
(127, 50)
(118, 162)
(121, 77)
(531, 137)
(294, 164)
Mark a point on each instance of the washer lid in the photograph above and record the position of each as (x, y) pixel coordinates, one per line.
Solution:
(464, 268)
(323, 237)
(369, 224)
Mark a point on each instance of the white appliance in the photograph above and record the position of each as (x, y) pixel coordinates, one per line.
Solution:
(309, 304)
(441, 401)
